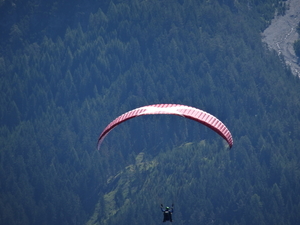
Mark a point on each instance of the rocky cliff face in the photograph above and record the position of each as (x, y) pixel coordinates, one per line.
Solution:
(281, 34)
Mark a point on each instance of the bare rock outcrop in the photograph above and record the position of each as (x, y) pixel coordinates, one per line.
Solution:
(281, 35)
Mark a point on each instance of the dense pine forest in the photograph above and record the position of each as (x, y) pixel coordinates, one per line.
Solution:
(68, 68)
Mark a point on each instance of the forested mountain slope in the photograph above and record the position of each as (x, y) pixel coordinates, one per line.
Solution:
(68, 69)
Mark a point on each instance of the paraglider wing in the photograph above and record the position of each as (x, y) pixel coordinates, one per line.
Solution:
(174, 109)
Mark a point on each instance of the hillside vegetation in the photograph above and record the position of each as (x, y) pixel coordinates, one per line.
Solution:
(67, 69)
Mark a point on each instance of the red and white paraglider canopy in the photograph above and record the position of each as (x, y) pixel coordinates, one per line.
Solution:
(173, 109)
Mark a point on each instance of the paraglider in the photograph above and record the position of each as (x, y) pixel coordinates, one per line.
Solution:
(173, 109)
(167, 212)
